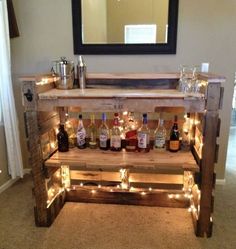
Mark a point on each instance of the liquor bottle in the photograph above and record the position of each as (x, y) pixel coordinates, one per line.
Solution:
(186, 136)
(115, 142)
(81, 134)
(62, 139)
(92, 133)
(131, 134)
(144, 136)
(174, 143)
(71, 133)
(160, 135)
(104, 141)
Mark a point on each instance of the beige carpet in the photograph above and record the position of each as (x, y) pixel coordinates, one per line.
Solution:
(96, 226)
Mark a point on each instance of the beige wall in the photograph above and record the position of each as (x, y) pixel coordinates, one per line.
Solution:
(4, 177)
(94, 21)
(121, 13)
(205, 34)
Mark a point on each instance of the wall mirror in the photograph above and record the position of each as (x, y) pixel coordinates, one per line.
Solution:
(125, 26)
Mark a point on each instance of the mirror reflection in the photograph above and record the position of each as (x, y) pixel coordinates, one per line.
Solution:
(124, 21)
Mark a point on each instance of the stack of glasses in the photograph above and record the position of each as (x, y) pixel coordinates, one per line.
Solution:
(188, 82)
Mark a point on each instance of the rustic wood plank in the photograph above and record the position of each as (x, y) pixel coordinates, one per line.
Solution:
(97, 159)
(211, 78)
(136, 76)
(207, 170)
(116, 93)
(213, 96)
(134, 177)
(116, 196)
(137, 180)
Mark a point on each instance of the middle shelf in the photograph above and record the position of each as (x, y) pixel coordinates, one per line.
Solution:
(107, 160)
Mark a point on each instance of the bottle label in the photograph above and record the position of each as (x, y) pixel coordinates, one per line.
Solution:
(81, 137)
(160, 142)
(115, 141)
(103, 140)
(174, 145)
(142, 140)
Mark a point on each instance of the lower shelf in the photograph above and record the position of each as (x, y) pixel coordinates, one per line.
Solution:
(114, 195)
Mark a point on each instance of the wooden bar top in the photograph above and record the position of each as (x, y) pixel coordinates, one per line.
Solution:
(108, 160)
(116, 93)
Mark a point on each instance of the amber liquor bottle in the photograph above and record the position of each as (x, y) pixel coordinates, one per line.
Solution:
(115, 142)
(62, 139)
(144, 136)
(174, 143)
(131, 134)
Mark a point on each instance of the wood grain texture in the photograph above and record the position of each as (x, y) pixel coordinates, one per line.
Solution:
(105, 195)
(97, 159)
(141, 180)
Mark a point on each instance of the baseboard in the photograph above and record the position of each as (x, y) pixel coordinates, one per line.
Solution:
(220, 181)
(27, 171)
(9, 183)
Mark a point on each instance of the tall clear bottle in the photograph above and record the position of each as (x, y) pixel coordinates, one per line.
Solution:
(81, 134)
(160, 135)
(71, 132)
(144, 136)
(104, 141)
(115, 142)
(92, 133)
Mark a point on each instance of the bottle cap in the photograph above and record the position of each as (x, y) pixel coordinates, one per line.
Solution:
(104, 116)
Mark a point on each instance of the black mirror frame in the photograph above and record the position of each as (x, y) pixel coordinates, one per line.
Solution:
(161, 48)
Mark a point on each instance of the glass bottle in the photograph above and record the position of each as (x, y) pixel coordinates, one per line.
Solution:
(71, 133)
(174, 143)
(62, 139)
(115, 142)
(92, 133)
(185, 145)
(131, 140)
(144, 136)
(81, 134)
(160, 135)
(104, 141)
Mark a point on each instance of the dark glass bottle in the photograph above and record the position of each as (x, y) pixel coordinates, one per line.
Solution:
(62, 138)
(144, 136)
(174, 143)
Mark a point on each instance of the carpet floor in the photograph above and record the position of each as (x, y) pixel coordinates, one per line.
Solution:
(98, 226)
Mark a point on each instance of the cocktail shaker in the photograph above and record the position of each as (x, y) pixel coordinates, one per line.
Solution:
(81, 73)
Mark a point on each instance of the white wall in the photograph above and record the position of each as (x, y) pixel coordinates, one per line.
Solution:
(206, 33)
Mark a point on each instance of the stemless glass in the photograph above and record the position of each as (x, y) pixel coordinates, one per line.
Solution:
(185, 81)
(195, 81)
